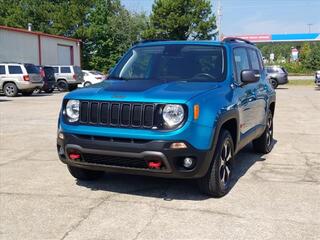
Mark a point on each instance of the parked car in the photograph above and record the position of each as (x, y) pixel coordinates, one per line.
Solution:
(317, 78)
(92, 77)
(19, 77)
(48, 78)
(277, 75)
(171, 109)
(68, 77)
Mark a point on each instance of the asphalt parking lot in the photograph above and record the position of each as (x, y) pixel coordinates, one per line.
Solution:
(275, 196)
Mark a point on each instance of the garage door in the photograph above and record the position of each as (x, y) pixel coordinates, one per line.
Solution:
(64, 55)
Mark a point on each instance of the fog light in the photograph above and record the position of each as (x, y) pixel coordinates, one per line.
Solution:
(178, 145)
(188, 162)
(61, 151)
(60, 135)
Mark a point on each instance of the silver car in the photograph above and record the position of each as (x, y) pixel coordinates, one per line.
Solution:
(277, 75)
(317, 78)
(68, 77)
(17, 77)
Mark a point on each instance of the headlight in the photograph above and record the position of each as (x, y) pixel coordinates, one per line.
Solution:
(173, 114)
(72, 110)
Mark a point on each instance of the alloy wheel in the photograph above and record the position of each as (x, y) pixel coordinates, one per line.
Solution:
(10, 90)
(269, 131)
(225, 163)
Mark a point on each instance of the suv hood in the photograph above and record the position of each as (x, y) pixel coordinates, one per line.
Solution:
(142, 91)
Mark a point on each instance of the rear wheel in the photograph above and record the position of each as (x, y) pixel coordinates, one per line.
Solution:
(274, 83)
(264, 143)
(84, 174)
(62, 86)
(10, 90)
(217, 182)
(87, 84)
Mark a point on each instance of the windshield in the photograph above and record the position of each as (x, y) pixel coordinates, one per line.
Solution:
(172, 63)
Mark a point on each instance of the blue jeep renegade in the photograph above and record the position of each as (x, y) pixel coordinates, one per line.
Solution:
(173, 109)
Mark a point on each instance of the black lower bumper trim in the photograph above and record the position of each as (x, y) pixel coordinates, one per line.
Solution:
(132, 157)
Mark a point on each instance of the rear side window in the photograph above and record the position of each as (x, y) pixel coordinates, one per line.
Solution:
(255, 63)
(2, 70)
(65, 70)
(32, 69)
(56, 69)
(15, 70)
(241, 61)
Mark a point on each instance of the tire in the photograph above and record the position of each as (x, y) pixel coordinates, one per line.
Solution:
(27, 93)
(274, 83)
(264, 143)
(84, 174)
(62, 86)
(37, 90)
(10, 90)
(87, 84)
(72, 87)
(217, 181)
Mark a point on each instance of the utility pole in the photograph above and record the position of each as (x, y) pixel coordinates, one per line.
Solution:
(219, 19)
(309, 27)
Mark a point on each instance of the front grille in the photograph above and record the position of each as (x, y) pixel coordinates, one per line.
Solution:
(118, 114)
(114, 161)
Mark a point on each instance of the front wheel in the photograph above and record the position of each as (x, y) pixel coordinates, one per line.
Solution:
(84, 174)
(217, 182)
(37, 90)
(87, 84)
(264, 143)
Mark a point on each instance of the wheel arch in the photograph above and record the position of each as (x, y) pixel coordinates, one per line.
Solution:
(229, 121)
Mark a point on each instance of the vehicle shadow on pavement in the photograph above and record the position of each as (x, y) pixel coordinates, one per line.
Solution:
(244, 160)
(168, 189)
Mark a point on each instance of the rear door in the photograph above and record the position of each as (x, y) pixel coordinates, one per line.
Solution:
(66, 73)
(15, 72)
(33, 72)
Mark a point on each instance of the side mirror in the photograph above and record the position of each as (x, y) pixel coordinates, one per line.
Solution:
(250, 76)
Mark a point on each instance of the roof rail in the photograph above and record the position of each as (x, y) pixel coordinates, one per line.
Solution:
(236, 39)
(150, 40)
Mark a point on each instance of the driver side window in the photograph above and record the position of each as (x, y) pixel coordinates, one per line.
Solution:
(241, 62)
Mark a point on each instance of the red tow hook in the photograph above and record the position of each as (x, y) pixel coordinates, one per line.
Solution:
(74, 156)
(154, 165)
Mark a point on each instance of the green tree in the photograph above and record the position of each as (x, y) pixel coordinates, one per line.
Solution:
(313, 60)
(112, 30)
(181, 20)
(304, 54)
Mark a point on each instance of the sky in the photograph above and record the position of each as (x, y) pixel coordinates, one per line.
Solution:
(257, 16)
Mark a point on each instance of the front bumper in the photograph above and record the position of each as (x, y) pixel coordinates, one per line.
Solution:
(131, 156)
